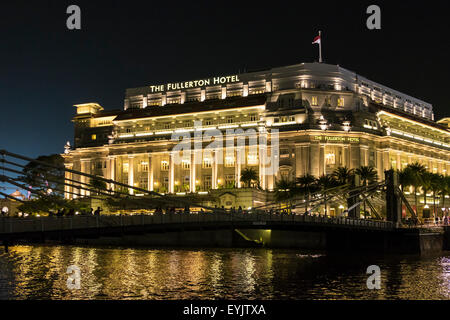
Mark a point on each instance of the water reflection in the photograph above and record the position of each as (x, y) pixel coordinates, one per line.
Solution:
(39, 272)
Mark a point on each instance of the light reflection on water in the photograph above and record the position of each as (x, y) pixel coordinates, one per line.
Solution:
(39, 272)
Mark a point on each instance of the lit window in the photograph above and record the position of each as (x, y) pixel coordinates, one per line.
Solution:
(314, 101)
(229, 180)
(164, 165)
(144, 166)
(94, 137)
(126, 167)
(208, 122)
(186, 164)
(284, 174)
(330, 159)
(253, 117)
(230, 119)
(207, 163)
(340, 102)
(252, 159)
(173, 100)
(207, 182)
(143, 183)
(229, 161)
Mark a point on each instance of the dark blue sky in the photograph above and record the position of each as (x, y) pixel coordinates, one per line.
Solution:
(45, 68)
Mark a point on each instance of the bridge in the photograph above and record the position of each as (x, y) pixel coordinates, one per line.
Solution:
(42, 227)
(266, 217)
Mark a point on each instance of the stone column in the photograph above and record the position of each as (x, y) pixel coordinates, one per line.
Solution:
(108, 172)
(268, 86)
(82, 178)
(440, 166)
(363, 159)
(299, 168)
(171, 173)
(349, 156)
(399, 161)
(113, 171)
(85, 163)
(345, 156)
(386, 164)
(262, 167)
(305, 160)
(380, 165)
(322, 164)
(202, 95)
(192, 172)
(224, 92)
(144, 102)
(366, 155)
(150, 172)
(68, 189)
(131, 173)
(76, 177)
(214, 170)
(238, 167)
(314, 162)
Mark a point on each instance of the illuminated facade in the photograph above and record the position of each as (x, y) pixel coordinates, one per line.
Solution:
(326, 116)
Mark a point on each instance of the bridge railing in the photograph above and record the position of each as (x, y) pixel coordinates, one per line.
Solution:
(42, 224)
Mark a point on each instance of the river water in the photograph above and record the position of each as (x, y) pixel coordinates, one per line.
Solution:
(39, 272)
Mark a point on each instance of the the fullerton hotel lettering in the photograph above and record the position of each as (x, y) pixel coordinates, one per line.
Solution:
(194, 84)
(336, 139)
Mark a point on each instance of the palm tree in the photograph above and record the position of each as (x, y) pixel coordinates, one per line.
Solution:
(405, 180)
(437, 181)
(325, 182)
(368, 174)
(343, 175)
(444, 189)
(284, 190)
(426, 179)
(415, 170)
(98, 185)
(249, 175)
(307, 185)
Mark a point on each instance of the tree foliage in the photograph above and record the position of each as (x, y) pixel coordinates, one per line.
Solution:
(43, 177)
(249, 177)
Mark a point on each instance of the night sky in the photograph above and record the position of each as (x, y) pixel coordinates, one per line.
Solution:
(45, 68)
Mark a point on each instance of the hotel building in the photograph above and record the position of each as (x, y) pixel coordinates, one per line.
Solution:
(325, 116)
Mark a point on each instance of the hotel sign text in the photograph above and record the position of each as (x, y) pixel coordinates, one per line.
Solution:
(336, 139)
(194, 84)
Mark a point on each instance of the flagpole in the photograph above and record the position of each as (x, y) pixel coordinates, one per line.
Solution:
(320, 47)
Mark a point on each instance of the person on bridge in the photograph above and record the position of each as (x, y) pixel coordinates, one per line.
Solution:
(92, 212)
(97, 212)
